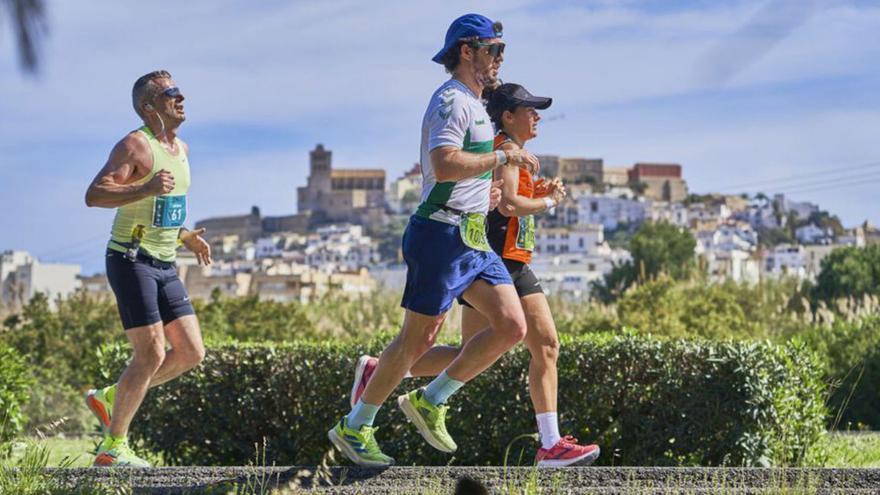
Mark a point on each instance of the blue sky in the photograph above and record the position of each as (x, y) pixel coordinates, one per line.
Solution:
(735, 91)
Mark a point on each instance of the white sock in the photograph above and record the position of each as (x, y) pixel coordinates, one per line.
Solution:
(548, 429)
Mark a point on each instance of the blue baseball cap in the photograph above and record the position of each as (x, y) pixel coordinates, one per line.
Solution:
(468, 26)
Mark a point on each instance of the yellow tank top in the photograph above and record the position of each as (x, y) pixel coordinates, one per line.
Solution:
(161, 216)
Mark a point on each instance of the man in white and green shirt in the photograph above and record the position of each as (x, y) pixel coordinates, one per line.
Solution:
(446, 249)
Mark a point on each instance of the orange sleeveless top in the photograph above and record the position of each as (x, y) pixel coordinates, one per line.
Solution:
(502, 230)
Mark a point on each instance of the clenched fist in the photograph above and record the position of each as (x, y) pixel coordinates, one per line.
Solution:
(161, 183)
(523, 159)
(495, 194)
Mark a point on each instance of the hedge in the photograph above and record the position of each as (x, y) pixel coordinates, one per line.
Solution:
(15, 381)
(645, 401)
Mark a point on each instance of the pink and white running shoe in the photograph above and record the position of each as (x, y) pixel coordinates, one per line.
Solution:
(567, 452)
(363, 372)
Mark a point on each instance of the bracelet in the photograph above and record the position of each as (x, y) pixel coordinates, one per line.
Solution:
(500, 158)
(549, 202)
(181, 231)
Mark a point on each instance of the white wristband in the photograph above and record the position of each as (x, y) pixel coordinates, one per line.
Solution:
(500, 158)
(549, 202)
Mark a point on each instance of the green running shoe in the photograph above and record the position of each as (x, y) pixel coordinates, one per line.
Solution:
(429, 419)
(116, 453)
(359, 445)
(101, 405)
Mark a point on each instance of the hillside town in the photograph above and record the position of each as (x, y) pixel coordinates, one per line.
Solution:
(345, 235)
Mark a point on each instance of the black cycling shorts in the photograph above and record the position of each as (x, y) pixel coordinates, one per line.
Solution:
(147, 290)
(524, 280)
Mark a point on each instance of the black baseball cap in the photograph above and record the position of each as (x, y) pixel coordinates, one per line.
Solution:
(510, 95)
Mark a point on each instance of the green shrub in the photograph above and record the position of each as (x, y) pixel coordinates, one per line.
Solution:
(849, 272)
(850, 353)
(57, 405)
(57, 345)
(575, 317)
(646, 402)
(15, 381)
(659, 248)
(249, 319)
(719, 311)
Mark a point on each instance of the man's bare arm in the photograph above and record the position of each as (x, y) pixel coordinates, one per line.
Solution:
(512, 204)
(454, 164)
(129, 161)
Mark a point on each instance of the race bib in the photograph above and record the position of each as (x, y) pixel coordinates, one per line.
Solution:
(473, 231)
(525, 236)
(169, 211)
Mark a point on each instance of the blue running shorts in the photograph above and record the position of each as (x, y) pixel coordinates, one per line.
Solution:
(439, 267)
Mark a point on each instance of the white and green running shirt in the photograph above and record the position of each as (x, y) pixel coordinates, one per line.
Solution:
(455, 117)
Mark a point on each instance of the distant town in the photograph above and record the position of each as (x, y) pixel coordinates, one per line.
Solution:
(345, 236)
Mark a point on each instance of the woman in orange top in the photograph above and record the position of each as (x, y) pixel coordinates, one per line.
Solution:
(511, 232)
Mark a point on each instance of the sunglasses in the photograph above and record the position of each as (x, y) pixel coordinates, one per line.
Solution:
(172, 92)
(495, 49)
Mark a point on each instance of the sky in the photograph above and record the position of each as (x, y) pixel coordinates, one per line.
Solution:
(740, 93)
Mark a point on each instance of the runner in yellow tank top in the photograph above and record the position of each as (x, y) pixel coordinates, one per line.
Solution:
(161, 216)
(146, 179)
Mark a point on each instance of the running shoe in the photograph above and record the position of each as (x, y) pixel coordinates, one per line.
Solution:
(359, 446)
(100, 405)
(428, 418)
(116, 453)
(567, 452)
(366, 365)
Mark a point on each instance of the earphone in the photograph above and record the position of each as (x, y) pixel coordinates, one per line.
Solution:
(148, 106)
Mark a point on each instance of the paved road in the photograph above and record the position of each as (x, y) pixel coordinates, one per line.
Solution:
(439, 480)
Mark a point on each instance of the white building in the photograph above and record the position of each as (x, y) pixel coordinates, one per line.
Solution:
(274, 279)
(729, 252)
(737, 265)
(22, 276)
(802, 209)
(813, 256)
(813, 234)
(409, 185)
(702, 214)
(578, 239)
(268, 247)
(728, 237)
(786, 259)
(611, 211)
(760, 214)
(571, 274)
(853, 237)
(674, 213)
(340, 248)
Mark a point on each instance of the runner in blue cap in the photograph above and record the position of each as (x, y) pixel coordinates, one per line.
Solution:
(446, 249)
(511, 230)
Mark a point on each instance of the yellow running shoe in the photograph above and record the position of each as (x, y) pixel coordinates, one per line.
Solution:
(100, 402)
(115, 452)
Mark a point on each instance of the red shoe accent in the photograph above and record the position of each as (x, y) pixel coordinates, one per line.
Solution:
(365, 367)
(98, 410)
(567, 452)
(104, 459)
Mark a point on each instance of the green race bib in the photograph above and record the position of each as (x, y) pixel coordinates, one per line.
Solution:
(473, 231)
(169, 211)
(525, 236)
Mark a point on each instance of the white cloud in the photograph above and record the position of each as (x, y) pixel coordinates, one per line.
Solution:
(356, 76)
